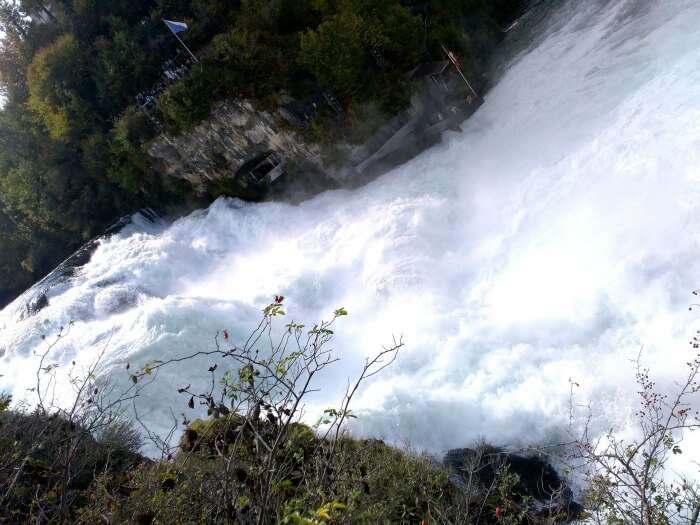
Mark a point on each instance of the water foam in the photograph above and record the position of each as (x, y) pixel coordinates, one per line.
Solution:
(552, 239)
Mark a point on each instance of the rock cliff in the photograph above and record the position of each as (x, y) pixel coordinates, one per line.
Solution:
(220, 154)
(213, 152)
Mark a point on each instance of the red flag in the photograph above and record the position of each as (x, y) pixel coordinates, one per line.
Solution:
(453, 58)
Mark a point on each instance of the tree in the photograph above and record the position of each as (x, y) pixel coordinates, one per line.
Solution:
(361, 43)
(297, 16)
(128, 163)
(51, 197)
(122, 69)
(188, 102)
(250, 61)
(335, 53)
(12, 21)
(14, 251)
(13, 68)
(58, 77)
(390, 28)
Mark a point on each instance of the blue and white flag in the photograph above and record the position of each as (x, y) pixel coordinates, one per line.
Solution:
(176, 27)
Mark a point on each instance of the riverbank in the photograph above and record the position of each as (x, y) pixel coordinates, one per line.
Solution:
(215, 477)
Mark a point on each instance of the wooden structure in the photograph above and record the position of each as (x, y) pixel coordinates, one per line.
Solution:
(262, 170)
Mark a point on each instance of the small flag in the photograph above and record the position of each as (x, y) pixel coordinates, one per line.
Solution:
(180, 27)
(453, 58)
(176, 27)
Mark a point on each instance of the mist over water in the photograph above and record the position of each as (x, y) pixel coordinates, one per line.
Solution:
(551, 240)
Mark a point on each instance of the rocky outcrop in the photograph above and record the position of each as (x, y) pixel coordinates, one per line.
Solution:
(537, 485)
(235, 133)
(216, 156)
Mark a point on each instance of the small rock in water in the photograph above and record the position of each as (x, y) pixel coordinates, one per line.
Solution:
(37, 304)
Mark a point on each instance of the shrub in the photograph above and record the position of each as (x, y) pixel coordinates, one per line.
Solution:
(188, 102)
(335, 53)
(129, 164)
(251, 62)
(49, 461)
(629, 481)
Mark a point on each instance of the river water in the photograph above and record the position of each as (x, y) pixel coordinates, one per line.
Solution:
(550, 241)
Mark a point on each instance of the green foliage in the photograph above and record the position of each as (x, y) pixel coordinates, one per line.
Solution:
(15, 251)
(335, 53)
(296, 16)
(387, 485)
(44, 199)
(339, 51)
(5, 400)
(205, 435)
(374, 483)
(48, 462)
(130, 166)
(122, 69)
(188, 102)
(56, 78)
(248, 61)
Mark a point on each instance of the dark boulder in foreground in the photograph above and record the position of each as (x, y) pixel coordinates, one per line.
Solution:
(536, 484)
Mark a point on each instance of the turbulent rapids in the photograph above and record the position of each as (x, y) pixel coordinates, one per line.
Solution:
(553, 239)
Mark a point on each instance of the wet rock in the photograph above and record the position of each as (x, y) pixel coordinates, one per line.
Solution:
(539, 486)
(115, 299)
(37, 304)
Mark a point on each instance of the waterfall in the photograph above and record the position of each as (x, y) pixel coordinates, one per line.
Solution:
(551, 240)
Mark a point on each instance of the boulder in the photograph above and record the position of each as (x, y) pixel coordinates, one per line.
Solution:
(539, 487)
(37, 304)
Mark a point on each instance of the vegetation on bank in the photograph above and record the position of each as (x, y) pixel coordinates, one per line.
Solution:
(214, 477)
(252, 461)
(72, 154)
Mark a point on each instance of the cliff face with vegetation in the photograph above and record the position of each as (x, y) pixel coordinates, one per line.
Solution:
(76, 76)
(215, 150)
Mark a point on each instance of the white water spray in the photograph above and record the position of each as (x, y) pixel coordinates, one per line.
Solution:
(551, 240)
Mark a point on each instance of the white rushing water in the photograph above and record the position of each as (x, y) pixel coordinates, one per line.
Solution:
(551, 240)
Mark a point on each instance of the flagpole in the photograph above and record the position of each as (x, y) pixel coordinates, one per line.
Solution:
(459, 70)
(196, 61)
